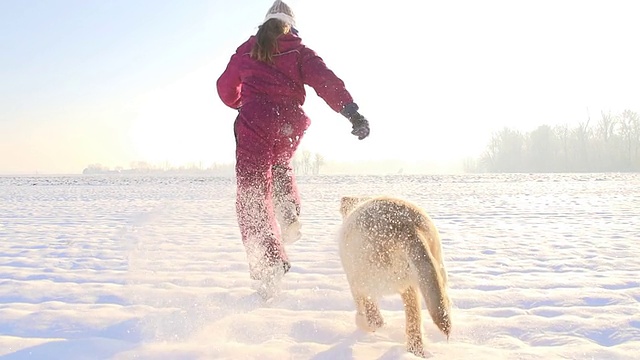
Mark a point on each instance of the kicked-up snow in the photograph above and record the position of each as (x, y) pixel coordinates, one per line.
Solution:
(541, 266)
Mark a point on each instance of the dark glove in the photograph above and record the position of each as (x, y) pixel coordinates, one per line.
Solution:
(360, 125)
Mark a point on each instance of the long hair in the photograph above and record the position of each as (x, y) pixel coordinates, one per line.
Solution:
(267, 39)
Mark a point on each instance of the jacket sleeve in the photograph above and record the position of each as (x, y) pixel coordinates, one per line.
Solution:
(229, 84)
(326, 84)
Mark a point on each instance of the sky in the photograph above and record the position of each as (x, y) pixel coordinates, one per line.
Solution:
(112, 82)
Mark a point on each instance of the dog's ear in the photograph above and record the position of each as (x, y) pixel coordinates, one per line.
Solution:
(345, 200)
(344, 205)
(348, 203)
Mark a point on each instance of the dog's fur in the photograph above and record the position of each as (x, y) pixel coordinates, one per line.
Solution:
(389, 245)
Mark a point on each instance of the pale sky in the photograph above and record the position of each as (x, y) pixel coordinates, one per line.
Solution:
(117, 81)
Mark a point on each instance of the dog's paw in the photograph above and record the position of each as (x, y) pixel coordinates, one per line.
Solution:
(362, 323)
(369, 324)
(417, 349)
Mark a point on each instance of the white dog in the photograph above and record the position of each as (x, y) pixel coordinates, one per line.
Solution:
(388, 246)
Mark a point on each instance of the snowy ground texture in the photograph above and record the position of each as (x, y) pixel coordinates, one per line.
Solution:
(540, 267)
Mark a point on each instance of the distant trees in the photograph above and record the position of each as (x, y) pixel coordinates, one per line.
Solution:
(611, 144)
(96, 169)
(143, 167)
(305, 163)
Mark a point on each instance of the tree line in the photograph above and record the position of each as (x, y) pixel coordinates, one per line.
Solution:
(143, 167)
(304, 163)
(610, 144)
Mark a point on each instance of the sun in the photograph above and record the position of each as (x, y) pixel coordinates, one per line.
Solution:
(174, 122)
(159, 135)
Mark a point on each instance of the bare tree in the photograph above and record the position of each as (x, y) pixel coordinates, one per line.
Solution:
(541, 150)
(581, 134)
(630, 133)
(317, 163)
(562, 134)
(606, 142)
(306, 161)
(489, 158)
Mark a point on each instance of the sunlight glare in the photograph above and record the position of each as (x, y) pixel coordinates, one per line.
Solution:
(174, 125)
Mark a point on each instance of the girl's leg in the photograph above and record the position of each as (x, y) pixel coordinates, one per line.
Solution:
(285, 189)
(285, 194)
(254, 203)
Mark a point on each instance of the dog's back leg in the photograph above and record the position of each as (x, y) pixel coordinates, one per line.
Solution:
(413, 314)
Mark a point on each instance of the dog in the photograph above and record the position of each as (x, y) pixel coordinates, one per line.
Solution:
(389, 245)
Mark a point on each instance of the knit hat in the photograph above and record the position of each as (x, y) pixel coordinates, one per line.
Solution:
(281, 11)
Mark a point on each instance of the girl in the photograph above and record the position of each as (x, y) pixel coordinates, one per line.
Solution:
(264, 81)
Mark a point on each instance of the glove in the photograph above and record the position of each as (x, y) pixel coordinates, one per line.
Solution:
(360, 125)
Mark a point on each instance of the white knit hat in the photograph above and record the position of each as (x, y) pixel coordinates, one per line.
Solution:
(281, 11)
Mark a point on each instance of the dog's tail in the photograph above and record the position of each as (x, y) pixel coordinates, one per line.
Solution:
(432, 285)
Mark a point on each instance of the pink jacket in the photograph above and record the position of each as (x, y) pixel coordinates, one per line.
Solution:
(245, 79)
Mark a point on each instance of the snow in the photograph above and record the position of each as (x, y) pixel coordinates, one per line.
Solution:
(118, 267)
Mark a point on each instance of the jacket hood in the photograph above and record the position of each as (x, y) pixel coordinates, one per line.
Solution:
(287, 42)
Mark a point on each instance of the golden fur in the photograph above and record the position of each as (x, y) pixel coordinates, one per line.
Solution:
(389, 245)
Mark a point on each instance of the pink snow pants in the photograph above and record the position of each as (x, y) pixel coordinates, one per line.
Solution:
(267, 136)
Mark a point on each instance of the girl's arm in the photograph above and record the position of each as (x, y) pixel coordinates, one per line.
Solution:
(229, 84)
(326, 84)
